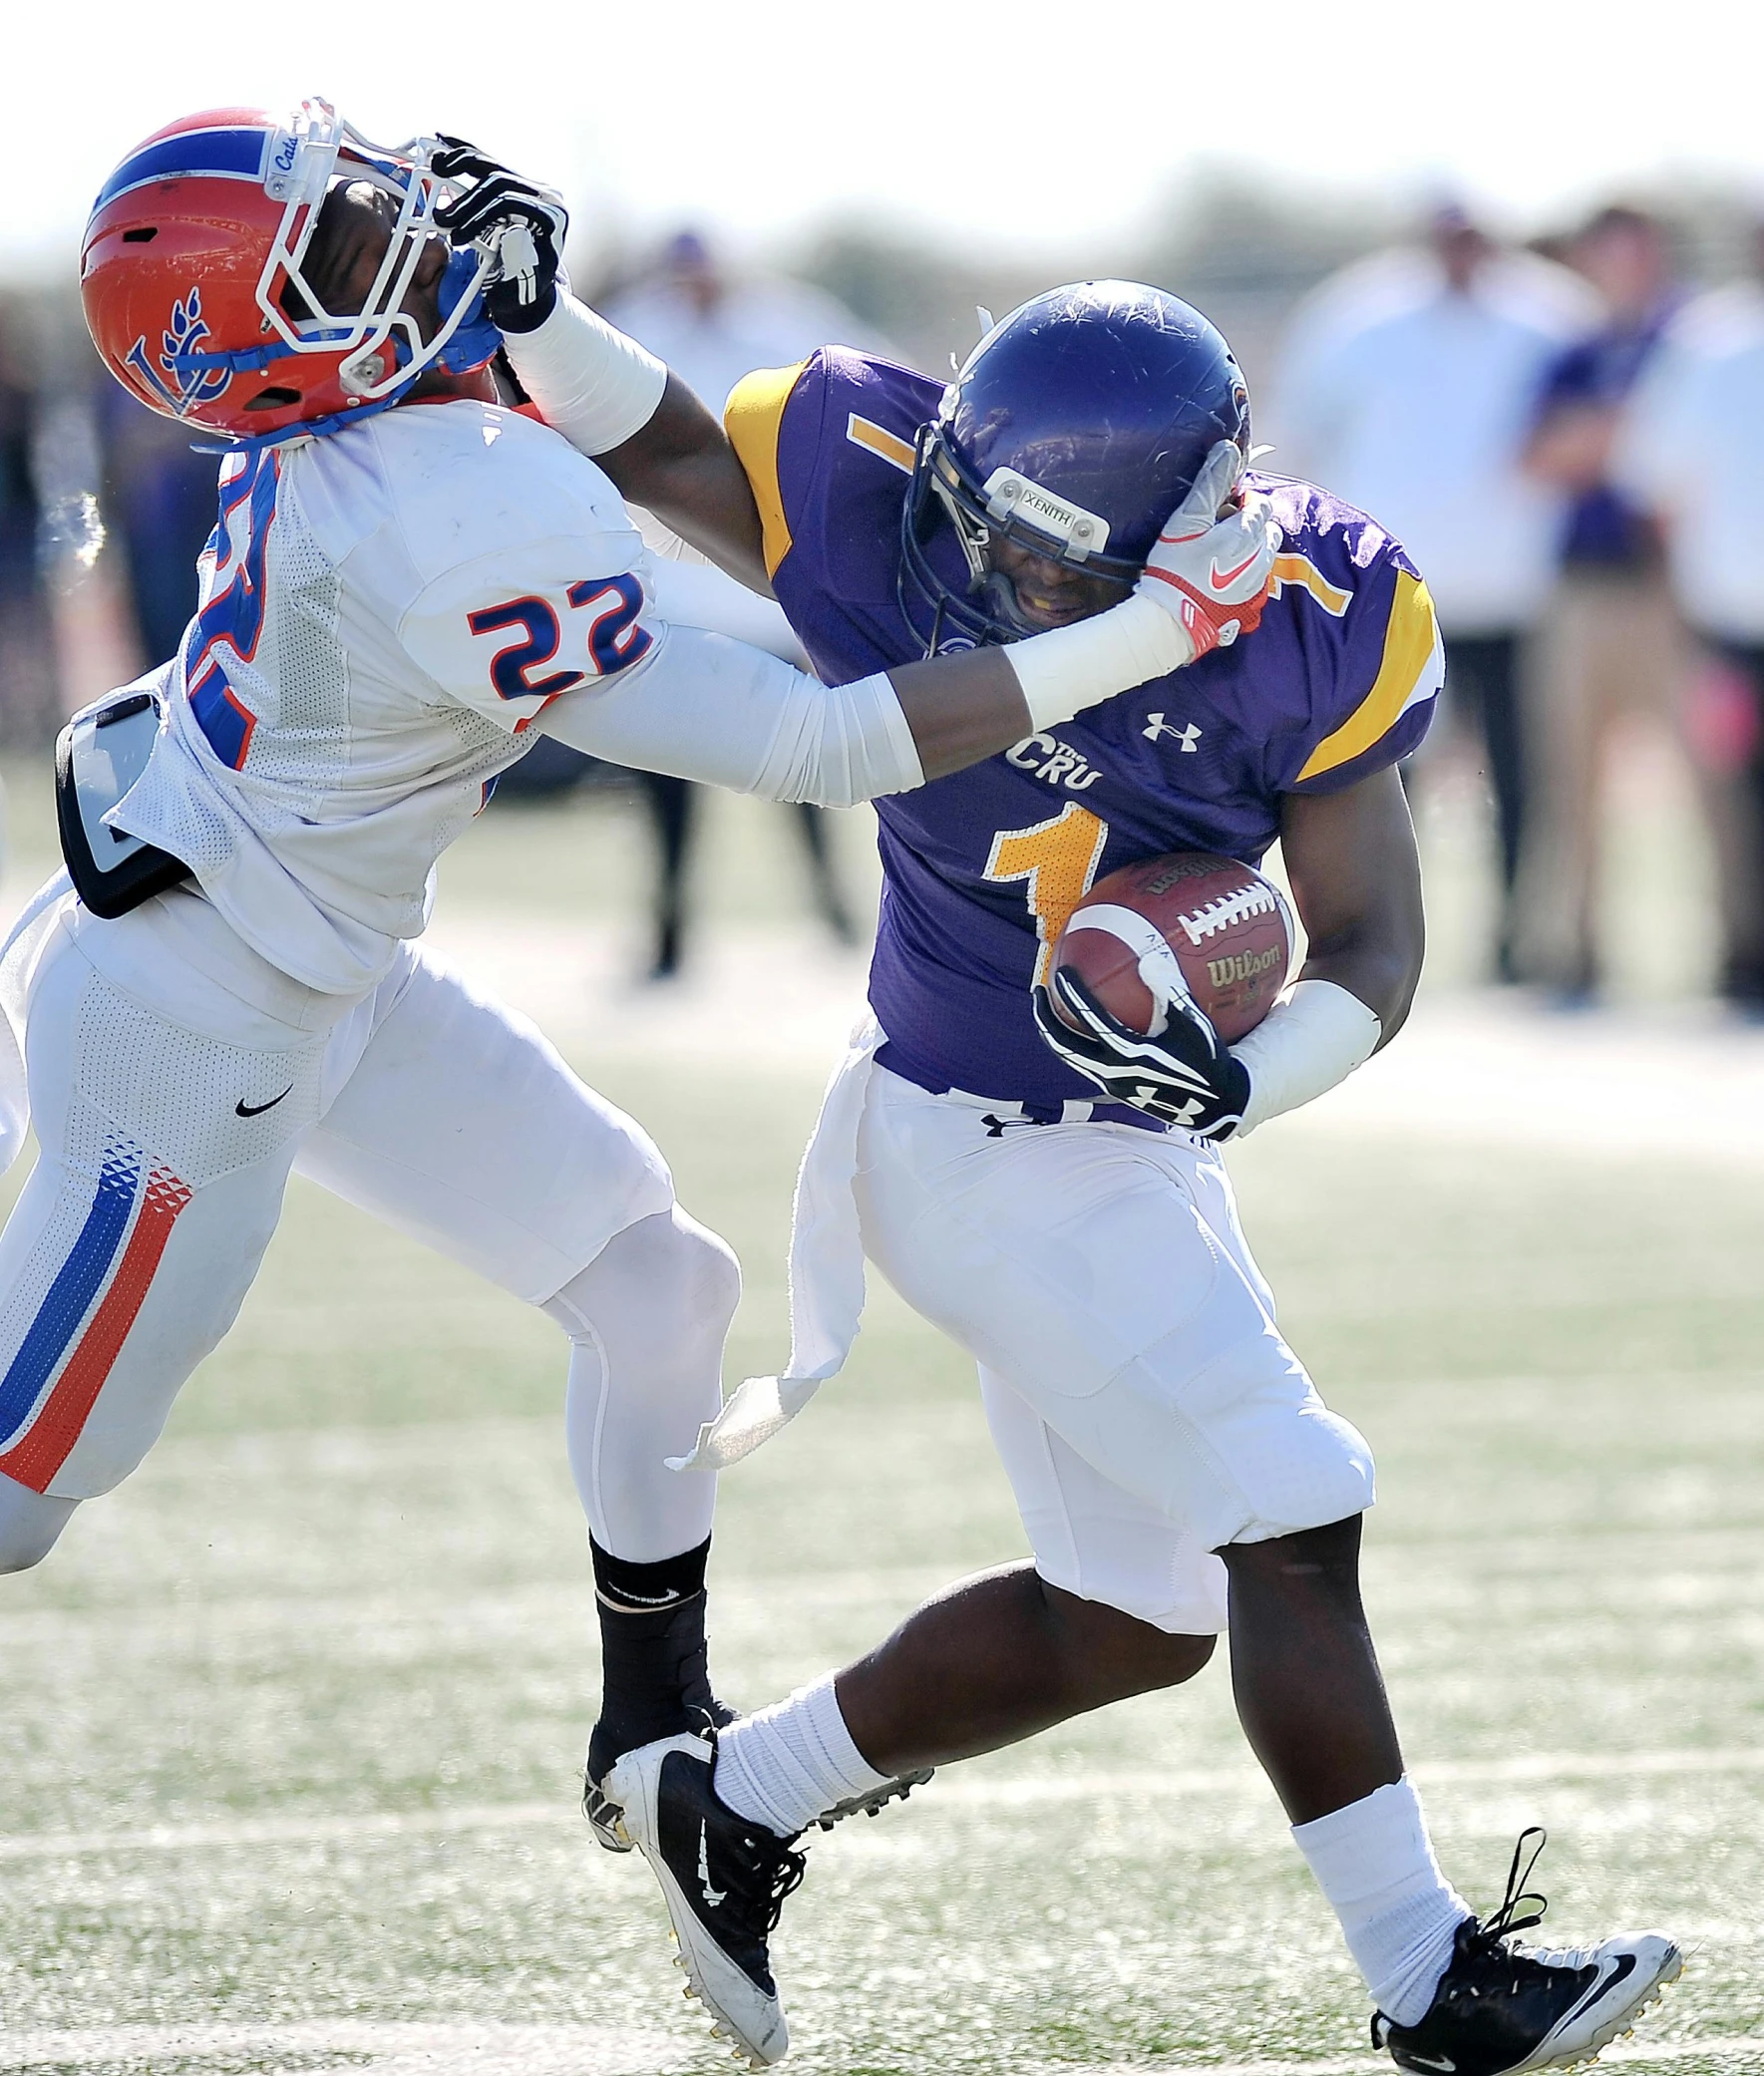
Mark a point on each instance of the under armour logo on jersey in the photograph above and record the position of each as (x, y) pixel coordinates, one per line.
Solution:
(1187, 737)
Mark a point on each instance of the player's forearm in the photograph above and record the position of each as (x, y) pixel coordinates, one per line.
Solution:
(1378, 972)
(710, 709)
(680, 466)
(1309, 1042)
(962, 708)
(617, 403)
(714, 710)
(707, 708)
(592, 382)
(977, 702)
(1356, 879)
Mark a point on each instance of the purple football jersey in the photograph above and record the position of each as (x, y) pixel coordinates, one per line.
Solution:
(982, 868)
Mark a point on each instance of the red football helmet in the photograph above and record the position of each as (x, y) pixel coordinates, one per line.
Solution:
(199, 231)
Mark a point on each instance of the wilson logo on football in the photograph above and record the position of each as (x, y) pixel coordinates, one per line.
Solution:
(1228, 972)
(195, 385)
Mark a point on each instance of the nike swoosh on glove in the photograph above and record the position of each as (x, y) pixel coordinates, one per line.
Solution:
(1185, 1076)
(522, 222)
(1211, 575)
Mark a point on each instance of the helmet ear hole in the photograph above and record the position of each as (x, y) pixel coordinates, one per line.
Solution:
(273, 400)
(143, 236)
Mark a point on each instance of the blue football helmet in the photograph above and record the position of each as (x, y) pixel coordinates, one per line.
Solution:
(1075, 427)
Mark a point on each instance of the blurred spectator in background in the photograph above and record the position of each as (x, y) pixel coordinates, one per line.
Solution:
(160, 505)
(30, 699)
(1409, 383)
(1691, 450)
(713, 329)
(1612, 644)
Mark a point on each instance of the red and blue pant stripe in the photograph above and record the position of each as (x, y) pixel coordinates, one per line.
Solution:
(85, 1316)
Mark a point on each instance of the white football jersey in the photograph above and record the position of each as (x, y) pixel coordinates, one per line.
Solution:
(384, 613)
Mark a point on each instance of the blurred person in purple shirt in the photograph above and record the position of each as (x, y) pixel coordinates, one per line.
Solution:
(1611, 644)
(159, 500)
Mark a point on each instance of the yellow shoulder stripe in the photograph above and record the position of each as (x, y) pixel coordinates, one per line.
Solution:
(1409, 672)
(879, 439)
(1301, 571)
(752, 417)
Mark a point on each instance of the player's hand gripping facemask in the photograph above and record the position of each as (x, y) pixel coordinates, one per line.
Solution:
(1185, 1076)
(522, 222)
(1211, 572)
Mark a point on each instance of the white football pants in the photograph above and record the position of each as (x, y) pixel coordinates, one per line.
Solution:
(1144, 1404)
(176, 1079)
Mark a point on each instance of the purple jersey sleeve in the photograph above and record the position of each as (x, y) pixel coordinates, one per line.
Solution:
(1373, 661)
(828, 448)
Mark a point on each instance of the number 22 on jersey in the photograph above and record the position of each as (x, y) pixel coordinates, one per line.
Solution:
(613, 639)
(1058, 858)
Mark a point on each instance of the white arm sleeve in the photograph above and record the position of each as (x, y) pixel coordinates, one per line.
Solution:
(1309, 1040)
(708, 708)
(591, 383)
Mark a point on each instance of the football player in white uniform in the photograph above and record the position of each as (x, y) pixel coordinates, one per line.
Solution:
(405, 580)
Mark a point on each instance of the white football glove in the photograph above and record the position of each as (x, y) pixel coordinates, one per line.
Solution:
(1211, 575)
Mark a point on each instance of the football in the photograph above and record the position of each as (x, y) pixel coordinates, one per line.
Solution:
(1230, 930)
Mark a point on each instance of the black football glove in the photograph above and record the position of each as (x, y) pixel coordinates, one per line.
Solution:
(1185, 1076)
(522, 222)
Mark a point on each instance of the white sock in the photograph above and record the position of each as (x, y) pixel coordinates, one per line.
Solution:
(1374, 1863)
(792, 1762)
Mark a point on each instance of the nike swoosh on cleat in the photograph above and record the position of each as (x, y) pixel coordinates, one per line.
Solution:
(713, 1896)
(1219, 578)
(1442, 2062)
(1621, 1968)
(256, 1109)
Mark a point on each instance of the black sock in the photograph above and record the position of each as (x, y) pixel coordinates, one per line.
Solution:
(637, 1590)
(653, 1655)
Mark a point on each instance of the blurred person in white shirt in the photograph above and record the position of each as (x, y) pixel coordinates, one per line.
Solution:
(1409, 383)
(717, 326)
(1690, 449)
(712, 328)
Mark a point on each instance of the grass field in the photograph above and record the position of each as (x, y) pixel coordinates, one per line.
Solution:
(293, 1718)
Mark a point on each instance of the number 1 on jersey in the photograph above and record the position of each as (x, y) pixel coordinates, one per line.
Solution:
(1059, 858)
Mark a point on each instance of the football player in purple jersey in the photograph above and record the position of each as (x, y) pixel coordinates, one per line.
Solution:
(1054, 1199)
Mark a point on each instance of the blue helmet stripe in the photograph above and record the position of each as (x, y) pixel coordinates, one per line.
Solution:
(220, 154)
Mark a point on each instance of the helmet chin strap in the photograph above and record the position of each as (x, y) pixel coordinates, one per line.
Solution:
(474, 340)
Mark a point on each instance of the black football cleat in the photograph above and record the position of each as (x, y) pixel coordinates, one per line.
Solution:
(1502, 2007)
(724, 1880)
